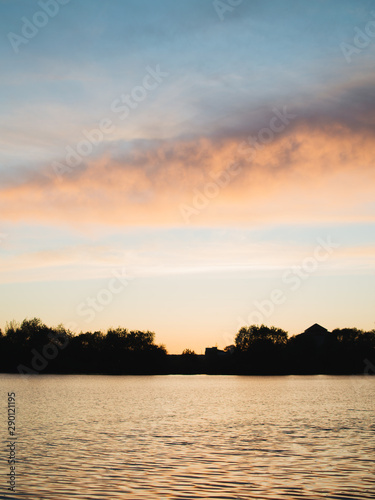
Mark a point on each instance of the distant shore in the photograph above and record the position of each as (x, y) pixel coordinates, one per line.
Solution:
(32, 348)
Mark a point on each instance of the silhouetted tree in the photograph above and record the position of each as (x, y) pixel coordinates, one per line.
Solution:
(261, 349)
(254, 335)
(188, 352)
(230, 348)
(354, 337)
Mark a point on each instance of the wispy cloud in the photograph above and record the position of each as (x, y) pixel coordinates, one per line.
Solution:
(314, 170)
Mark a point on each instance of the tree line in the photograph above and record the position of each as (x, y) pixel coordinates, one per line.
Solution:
(31, 347)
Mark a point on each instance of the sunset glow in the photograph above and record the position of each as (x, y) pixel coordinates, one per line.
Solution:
(176, 165)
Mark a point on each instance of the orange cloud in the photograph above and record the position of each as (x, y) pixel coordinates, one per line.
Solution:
(304, 174)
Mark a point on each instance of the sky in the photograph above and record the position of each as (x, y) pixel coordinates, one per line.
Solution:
(188, 167)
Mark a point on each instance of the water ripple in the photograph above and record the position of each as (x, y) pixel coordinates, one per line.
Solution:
(143, 438)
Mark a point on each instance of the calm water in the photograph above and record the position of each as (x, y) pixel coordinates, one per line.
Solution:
(182, 437)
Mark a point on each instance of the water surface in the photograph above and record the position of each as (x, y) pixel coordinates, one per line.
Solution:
(192, 437)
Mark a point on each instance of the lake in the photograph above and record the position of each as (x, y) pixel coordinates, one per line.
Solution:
(191, 437)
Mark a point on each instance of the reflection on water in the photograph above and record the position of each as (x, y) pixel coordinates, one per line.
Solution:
(186, 437)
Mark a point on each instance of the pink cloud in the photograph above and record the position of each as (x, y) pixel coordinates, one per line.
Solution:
(305, 173)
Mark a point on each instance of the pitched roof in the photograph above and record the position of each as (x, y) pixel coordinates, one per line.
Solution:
(316, 330)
